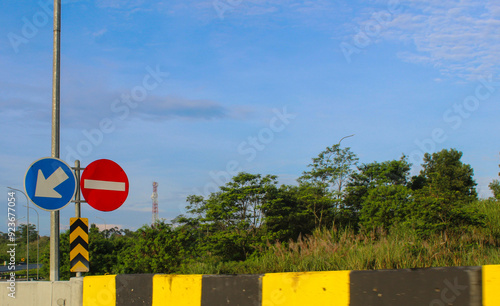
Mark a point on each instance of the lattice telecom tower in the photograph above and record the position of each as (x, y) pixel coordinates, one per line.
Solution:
(154, 196)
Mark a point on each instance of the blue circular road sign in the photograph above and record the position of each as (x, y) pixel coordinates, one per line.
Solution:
(50, 183)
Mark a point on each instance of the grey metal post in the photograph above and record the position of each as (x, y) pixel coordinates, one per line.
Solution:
(77, 198)
(27, 205)
(78, 210)
(28, 241)
(56, 69)
(37, 242)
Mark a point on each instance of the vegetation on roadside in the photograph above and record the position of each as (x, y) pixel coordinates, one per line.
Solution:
(341, 215)
(20, 248)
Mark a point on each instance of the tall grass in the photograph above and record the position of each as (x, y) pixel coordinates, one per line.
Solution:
(400, 248)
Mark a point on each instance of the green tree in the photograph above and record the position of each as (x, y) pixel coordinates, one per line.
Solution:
(4, 256)
(238, 204)
(495, 187)
(385, 206)
(105, 248)
(23, 232)
(445, 193)
(372, 176)
(229, 222)
(235, 215)
(332, 169)
(193, 230)
(154, 249)
(445, 175)
(297, 210)
(4, 237)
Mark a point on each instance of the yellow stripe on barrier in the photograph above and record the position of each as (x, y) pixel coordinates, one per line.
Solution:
(181, 290)
(79, 249)
(491, 285)
(78, 232)
(99, 290)
(306, 288)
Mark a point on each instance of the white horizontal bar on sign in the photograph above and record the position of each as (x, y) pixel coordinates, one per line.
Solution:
(104, 185)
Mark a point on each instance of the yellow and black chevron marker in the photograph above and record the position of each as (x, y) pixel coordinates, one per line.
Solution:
(79, 244)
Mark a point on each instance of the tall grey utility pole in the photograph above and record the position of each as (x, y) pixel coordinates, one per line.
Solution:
(56, 81)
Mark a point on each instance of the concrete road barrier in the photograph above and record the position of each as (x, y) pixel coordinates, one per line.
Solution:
(471, 286)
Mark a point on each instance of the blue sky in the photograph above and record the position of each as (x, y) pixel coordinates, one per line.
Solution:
(187, 93)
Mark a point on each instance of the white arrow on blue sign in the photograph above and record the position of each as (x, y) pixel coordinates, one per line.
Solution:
(49, 183)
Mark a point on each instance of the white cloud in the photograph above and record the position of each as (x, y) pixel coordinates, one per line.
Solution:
(84, 108)
(119, 4)
(99, 33)
(176, 107)
(458, 38)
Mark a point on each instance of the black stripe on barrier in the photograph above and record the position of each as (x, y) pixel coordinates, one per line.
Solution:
(134, 289)
(241, 290)
(80, 258)
(77, 241)
(78, 223)
(458, 286)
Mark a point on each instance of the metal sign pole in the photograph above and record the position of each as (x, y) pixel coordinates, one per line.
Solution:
(77, 197)
(77, 169)
(56, 69)
(79, 261)
(28, 242)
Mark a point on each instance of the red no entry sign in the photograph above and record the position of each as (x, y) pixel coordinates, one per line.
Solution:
(104, 185)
